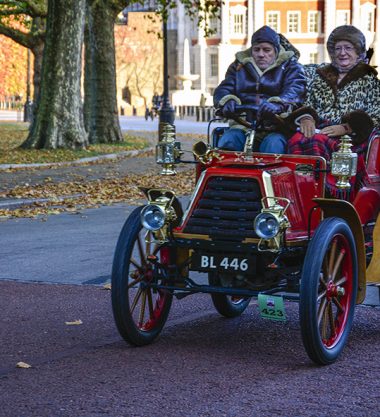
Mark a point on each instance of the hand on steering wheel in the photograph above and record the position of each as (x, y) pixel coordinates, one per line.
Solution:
(229, 108)
(268, 110)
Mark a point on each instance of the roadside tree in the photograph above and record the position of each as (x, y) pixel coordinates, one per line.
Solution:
(100, 104)
(58, 122)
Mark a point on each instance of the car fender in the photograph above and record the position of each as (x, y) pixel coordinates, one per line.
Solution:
(373, 270)
(346, 211)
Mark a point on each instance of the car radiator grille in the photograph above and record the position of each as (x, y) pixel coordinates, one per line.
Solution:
(227, 209)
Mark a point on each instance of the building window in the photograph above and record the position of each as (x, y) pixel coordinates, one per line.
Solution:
(294, 19)
(313, 22)
(369, 22)
(238, 21)
(193, 69)
(313, 58)
(214, 25)
(342, 17)
(238, 24)
(273, 20)
(213, 65)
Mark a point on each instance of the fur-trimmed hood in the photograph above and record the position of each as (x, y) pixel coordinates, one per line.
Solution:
(286, 52)
(245, 57)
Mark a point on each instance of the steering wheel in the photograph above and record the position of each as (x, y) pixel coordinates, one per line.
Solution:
(250, 111)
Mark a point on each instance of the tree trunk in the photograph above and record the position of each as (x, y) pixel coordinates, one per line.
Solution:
(59, 118)
(37, 48)
(101, 113)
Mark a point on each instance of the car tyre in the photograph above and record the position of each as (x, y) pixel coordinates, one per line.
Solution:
(328, 291)
(229, 306)
(139, 311)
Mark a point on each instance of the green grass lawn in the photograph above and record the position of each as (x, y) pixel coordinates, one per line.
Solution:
(13, 134)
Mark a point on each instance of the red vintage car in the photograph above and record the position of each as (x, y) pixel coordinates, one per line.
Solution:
(257, 225)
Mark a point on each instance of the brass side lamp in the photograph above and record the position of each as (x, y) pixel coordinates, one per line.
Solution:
(344, 163)
(168, 151)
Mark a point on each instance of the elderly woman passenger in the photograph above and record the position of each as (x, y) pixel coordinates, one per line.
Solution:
(342, 98)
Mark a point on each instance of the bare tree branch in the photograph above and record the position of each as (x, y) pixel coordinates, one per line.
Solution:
(21, 38)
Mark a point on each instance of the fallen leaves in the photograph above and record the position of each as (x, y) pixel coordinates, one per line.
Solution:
(23, 365)
(74, 196)
(74, 323)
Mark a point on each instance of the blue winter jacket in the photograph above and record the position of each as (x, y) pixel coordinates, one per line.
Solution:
(283, 82)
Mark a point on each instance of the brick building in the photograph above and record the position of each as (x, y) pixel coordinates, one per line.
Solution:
(306, 24)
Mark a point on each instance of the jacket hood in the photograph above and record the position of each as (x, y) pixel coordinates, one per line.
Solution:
(288, 46)
(266, 34)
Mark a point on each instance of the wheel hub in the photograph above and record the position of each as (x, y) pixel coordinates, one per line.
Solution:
(334, 290)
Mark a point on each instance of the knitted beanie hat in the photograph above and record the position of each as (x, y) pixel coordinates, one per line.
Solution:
(347, 33)
(266, 34)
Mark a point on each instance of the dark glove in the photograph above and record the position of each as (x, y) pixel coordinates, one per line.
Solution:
(268, 110)
(229, 108)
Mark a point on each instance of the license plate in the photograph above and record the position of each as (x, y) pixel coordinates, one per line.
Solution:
(215, 262)
(271, 307)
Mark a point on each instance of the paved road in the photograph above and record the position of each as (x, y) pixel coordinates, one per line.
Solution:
(69, 249)
(10, 115)
(136, 123)
(201, 366)
(182, 126)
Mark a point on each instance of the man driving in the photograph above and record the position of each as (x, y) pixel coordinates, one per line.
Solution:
(268, 76)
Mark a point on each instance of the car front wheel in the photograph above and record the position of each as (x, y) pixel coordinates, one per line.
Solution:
(328, 291)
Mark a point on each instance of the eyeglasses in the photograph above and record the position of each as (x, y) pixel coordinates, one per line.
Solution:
(340, 49)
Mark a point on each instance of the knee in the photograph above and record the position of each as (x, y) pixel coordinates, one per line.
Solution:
(273, 143)
(232, 140)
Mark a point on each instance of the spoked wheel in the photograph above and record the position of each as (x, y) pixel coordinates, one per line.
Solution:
(328, 291)
(139, 311)
(227, 305)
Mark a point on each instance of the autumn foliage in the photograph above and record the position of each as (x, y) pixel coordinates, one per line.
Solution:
(12, 68)
(139, 57)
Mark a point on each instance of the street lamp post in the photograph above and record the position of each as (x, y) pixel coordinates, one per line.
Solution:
(28, 102)
(166, 112)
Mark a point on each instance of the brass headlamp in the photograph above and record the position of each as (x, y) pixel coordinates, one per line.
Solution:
(344, 163)
(168, 151)
(158, 214)
(271, 223)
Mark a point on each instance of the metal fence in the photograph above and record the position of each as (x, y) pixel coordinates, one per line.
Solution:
(200, 114)
(10, 104)
(16, 110)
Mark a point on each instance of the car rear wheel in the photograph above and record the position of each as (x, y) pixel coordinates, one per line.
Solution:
(328, 291)
(139, 311)
(228, 306)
